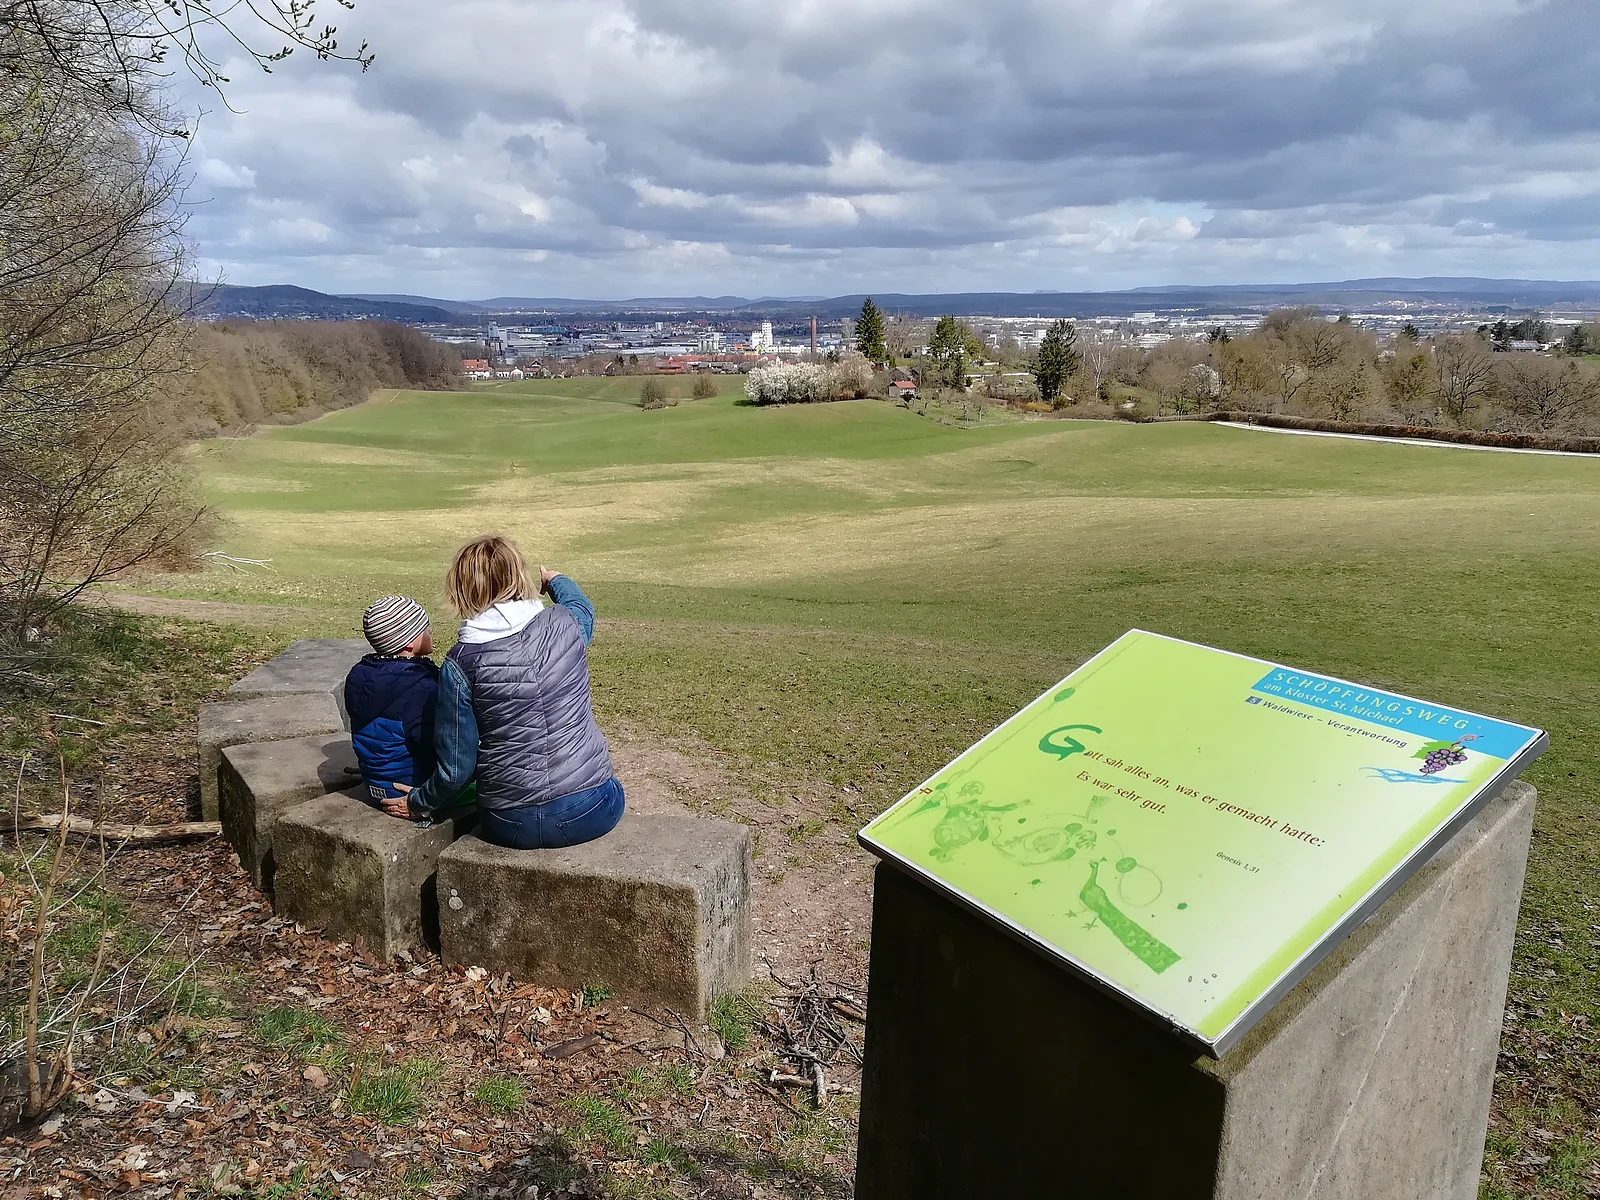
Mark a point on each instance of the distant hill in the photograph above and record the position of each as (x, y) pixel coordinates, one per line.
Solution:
(1511, 295)
(1477, 295)
(634, 304)
(466, 307)
(286, 300)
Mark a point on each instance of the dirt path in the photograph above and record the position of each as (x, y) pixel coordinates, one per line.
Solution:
(812, 888)
(200, 610)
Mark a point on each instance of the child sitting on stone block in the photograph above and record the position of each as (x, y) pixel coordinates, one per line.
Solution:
(391, 695)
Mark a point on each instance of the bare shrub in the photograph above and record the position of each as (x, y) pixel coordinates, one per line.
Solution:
(652, 394)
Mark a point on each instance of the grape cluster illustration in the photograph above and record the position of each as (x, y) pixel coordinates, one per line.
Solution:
(1441, 755)
(1440, 759)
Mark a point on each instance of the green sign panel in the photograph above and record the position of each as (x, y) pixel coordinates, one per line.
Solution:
(1192, 829)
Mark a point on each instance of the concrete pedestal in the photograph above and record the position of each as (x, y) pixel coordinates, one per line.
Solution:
(992, 1072)
(260, 781)
(266, 719)
(658, 910)
(310, 666)
(358, 874)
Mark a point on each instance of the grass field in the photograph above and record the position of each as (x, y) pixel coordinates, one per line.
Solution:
(848, 594)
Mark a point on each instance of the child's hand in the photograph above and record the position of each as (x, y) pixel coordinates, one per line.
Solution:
(545, 576)
(399, 806)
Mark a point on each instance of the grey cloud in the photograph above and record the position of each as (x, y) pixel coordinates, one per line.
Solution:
(684, 145)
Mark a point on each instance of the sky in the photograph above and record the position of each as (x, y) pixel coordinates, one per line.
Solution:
(617, 148)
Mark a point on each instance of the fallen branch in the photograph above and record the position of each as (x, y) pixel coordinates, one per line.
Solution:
(117, 832)
(571, 1046)
(237, 564)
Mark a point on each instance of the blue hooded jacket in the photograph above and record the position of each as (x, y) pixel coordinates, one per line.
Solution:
(391, 702)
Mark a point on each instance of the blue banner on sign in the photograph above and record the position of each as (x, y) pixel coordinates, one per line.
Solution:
(1437, 722)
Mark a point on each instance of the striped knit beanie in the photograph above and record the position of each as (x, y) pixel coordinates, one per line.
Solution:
(393, 623)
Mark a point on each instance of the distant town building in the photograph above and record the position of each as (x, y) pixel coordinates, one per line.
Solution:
(761, 339)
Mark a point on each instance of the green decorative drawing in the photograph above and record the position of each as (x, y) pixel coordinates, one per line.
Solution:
(1146, 947)
(1053, 843)
(966, 822)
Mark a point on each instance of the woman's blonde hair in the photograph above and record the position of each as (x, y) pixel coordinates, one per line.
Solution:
(487, 571)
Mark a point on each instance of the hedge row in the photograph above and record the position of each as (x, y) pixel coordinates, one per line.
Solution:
(1468, 437)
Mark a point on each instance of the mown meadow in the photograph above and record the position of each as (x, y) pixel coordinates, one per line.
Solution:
(844, 595)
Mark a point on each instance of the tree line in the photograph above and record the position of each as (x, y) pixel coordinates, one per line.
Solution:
(243, 373)
(1297, 361)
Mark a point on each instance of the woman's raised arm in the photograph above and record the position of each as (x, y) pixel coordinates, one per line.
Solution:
(570, 596)
(455, 743)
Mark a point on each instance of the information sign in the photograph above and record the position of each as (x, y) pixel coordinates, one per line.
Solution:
(1192, 829)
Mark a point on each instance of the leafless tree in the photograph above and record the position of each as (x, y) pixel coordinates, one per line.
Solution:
(904, 335)
(92, 295)
(1406, 374)
(1463, 368)
(1301, 345)
(1098, 348)
(1246, 370)
(1543, 392)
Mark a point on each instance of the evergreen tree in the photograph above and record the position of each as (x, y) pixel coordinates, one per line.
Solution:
(949, 348)
(869, 333)
(1056, 361)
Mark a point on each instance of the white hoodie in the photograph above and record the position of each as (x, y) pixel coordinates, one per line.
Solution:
(502, 620)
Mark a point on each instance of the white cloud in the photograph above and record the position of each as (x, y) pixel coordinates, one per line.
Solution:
(299, 230)
(216, 173)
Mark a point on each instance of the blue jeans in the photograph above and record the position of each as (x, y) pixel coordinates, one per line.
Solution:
(565, 821)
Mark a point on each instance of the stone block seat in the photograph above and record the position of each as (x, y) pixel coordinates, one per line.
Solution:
(658, 910)
(308, 667)
(358, 874)
(264, 719)
(258, 782)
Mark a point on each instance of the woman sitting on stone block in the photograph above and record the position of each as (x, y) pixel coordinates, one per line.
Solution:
(513, 708)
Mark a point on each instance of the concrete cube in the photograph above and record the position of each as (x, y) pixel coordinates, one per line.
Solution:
(991, 1071)
(358, 874)
(258, 781)
(267, 719)
(658, 910)
(307, 667)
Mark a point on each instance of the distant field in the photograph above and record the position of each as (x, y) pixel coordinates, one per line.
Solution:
(849, 593)
(905, 569)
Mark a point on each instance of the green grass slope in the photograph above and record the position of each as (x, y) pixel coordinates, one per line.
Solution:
(850, 594)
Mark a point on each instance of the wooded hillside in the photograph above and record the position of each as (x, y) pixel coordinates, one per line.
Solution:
(243, 373)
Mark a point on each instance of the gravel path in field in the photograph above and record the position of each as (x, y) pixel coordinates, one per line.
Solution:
(200, 610)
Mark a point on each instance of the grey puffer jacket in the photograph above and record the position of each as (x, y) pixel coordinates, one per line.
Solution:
(513, 708)
(537, 738)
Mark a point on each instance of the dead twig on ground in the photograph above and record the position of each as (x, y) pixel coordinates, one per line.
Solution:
(808, 1031)
(114, 831)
